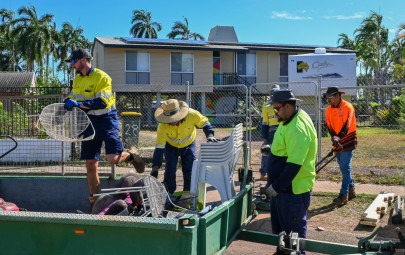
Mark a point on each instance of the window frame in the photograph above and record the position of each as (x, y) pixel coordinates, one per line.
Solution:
(137, 73)
(183, 74)
(283, 70)
(249, 78)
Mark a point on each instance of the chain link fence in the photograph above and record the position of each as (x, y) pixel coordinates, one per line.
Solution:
(35, 153)
(380, 113)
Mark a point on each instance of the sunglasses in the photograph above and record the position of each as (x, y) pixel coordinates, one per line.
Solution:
(74, 61)
(277, 109)
(332, 96)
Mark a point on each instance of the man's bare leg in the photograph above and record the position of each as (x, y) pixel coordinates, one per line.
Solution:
(115, 159)
(93, 181)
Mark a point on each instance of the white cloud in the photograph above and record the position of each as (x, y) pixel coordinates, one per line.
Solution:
(286, 15)
(358, 15)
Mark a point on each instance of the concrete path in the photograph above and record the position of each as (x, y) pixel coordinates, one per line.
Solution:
(329, 186)
(262, 221)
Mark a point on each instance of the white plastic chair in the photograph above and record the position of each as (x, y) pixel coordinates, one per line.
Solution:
(215, 166)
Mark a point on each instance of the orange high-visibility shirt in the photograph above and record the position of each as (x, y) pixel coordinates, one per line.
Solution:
(341, 122)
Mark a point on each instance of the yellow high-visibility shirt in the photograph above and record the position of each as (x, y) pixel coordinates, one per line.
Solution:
(183, 134)
(269, 118)
(95, 85)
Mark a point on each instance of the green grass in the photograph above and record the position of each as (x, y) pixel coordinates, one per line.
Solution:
(323, 201)
(379, 157)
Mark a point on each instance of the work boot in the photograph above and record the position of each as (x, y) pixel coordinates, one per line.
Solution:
(340, 200)
(352, 193)
(136, 160)
(155, 171)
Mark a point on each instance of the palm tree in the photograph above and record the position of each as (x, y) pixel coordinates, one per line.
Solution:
(345, 42)
(398, 46)
(52, 51)
(182, 31)
(143, 27)
(401, 31)
(70, 38)
(34, 36)
(9, 55)
(373, 45)
(397, 49)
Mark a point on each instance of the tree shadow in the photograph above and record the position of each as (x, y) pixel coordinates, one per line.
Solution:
(321, 210)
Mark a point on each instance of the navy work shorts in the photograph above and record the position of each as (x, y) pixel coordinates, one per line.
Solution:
(92, 149)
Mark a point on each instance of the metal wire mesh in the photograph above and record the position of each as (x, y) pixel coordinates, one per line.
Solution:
(64, 125)
(153, 194)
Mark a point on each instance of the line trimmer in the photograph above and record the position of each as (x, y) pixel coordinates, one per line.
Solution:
(327, 159)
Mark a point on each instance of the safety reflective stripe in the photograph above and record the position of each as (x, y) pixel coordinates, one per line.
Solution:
(81, 97)
(181, 140)
(101, 111)
(97, 95)
(102, 94)
(160, 146)
(349, 142)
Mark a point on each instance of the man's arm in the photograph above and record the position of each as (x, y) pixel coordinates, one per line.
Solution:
(286, 177)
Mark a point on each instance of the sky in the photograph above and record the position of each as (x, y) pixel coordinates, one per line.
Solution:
(313, 22)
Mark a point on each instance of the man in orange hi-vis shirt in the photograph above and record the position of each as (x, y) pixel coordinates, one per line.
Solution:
(341, 123)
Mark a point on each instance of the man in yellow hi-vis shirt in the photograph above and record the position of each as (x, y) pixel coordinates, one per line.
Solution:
(176, 137)
(92, 92)
(269, 126)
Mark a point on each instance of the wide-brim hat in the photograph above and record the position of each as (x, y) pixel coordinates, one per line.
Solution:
(171, 111)
(333, 91)
(283, 95)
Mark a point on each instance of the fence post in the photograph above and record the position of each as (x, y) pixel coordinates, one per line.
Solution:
(249, 123)
(188, 96)
(203, 103)
(319, 117)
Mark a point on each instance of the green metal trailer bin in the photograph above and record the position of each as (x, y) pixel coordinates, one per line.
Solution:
(68, 233)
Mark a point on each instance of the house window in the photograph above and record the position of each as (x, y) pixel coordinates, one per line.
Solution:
(246, 66)
(283, 67)
(137, 67)
(182, 68)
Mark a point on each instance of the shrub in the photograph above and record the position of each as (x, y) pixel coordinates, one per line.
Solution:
(374, 107)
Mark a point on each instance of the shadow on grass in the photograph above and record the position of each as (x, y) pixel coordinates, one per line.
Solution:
(321, 210)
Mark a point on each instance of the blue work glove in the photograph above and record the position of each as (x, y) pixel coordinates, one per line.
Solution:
(69, 104)
(270, 192)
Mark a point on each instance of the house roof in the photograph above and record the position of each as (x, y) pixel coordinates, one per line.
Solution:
(129, 42)
(16, 79)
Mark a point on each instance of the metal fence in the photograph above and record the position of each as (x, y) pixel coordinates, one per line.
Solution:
(35, 152)
(380, 112)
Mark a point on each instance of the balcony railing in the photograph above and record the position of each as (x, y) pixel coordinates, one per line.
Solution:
(229, 79)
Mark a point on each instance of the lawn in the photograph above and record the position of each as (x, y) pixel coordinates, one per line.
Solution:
(379, 157)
